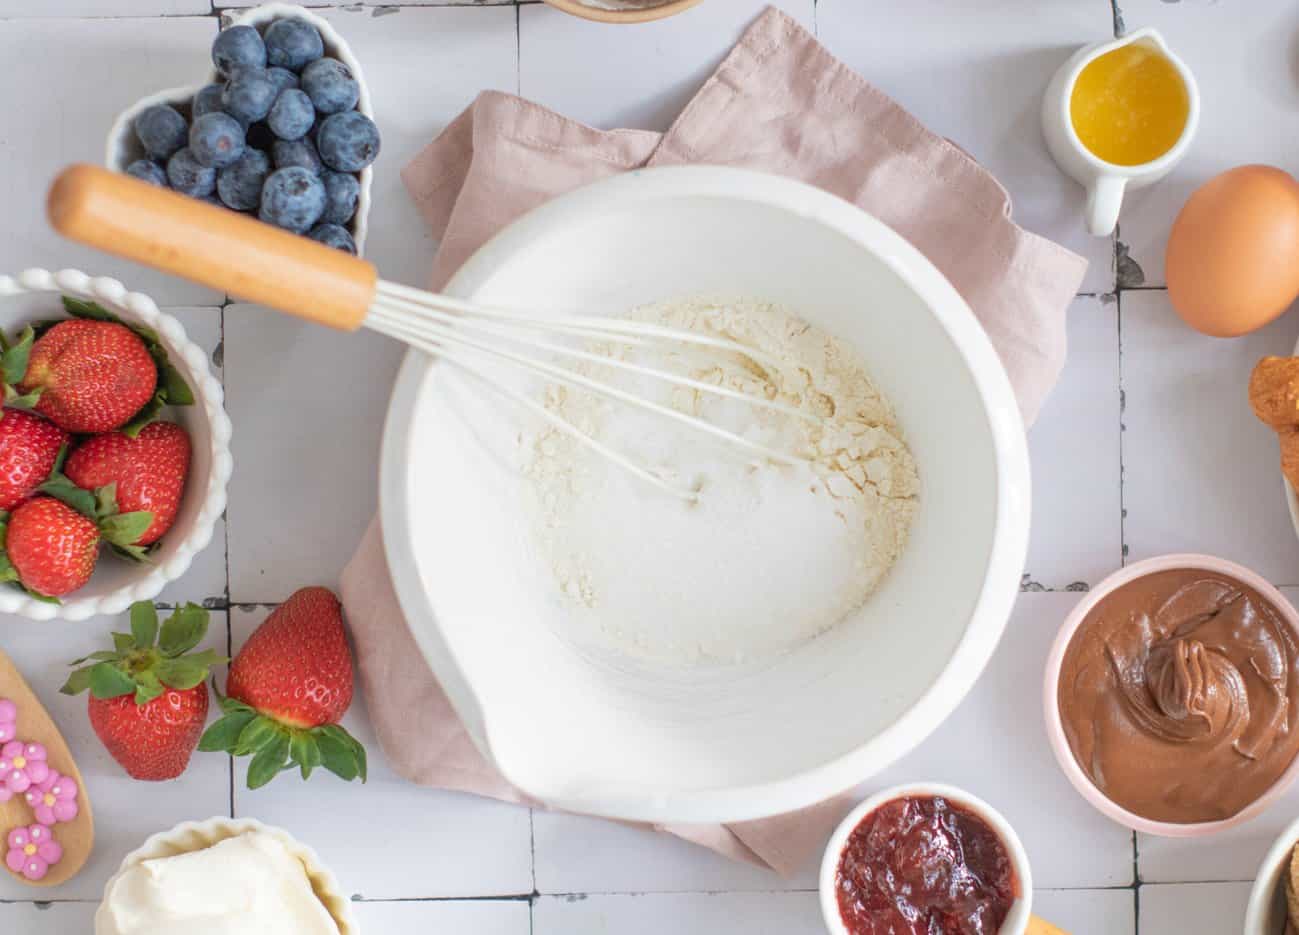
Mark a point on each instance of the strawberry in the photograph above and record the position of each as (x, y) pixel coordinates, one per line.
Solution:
(288, 687)
(92, 373)
(49, 548)
(148, 471)
(148, 695)
(29, 447)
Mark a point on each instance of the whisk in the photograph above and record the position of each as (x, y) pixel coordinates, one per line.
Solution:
(262, 264)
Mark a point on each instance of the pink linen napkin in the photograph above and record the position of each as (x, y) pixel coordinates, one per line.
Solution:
(778, 103)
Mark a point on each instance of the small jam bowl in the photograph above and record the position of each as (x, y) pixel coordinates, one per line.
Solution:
(1055, 728)
(116, 584)
(1020, 921)
(602, 11)
(1265, 913)
(191, 836)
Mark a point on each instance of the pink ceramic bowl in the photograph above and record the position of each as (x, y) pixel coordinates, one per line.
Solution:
(1055, 730)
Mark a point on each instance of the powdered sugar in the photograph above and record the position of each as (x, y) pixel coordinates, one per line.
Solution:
(770, 555)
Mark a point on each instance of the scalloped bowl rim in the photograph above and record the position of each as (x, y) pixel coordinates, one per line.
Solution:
(136, 307)
(119, 134)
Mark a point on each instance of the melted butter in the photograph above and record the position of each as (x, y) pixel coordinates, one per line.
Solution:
(1129, 106)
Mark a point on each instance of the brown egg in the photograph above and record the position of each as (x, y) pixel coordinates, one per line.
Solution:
(1233, 253)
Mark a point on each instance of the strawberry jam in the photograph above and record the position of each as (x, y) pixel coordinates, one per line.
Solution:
(924, 866)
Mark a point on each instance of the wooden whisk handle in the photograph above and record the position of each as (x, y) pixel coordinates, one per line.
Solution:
(222, 249)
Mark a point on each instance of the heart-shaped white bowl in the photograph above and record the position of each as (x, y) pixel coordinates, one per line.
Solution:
(116, 584)
(123, 147)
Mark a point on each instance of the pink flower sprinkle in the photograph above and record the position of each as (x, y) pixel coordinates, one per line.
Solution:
(54, 799)
(32, 851)
(22, 765)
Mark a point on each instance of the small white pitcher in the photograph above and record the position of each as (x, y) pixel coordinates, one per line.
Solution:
(1105, 182)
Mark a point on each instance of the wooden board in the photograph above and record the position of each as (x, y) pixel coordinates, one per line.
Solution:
(77, 837)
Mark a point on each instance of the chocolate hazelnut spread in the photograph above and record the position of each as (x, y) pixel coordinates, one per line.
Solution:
(1179, 695)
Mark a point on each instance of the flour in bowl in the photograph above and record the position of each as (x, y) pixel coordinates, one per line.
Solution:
(770, 555)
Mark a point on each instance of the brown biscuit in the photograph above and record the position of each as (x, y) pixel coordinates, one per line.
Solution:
(1291, 884)
(1274, 391)
(1290, 455)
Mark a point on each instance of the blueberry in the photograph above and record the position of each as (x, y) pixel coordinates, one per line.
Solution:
(293, 198)
(282, 78)
(248, 95)
(206, 101)
(293, 43)
(331, 86)
(188, 176)
(146, 170)
(211, 200)
(240, 183)
(289, 153)
(238, 47)
(348, 142)
(291, 115)
(341, 192)
(216, 140)
(161, 130)
(260, 136)
(331, 235)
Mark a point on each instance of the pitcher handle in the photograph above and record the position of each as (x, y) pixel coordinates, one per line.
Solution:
(1104, 198)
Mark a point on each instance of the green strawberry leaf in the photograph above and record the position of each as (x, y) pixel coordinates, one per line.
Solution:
(152, 409)
(13, 362)
(82, 308)
(123, 642)
(259, 732)
(106, 500)
(144, 624)
(8, 573)
(184, 630)
(304, 751)
(231, 706)
(59, 459)
(103, 655)
(224, 732)
(147, 687)
(125, 528)
(181, 674)
(268, 762)
(78, 681)
(60, 488)
(132, 553)
(37, 595)
(174, 387)
(340, 753)
(108, 681)
(25, 401)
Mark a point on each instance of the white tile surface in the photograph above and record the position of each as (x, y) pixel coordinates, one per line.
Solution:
(102, 8)
(1248, 93)
(995, 746)
(1184, 908)
(696, 914)
(1201, 474)
(1074, 450)
(305, 487)
(388, 838)
(577, 854)
(654, 69)
(975, 72)
(451, 918)
(121, 60)
(1088, 912)
(47, 918)
(126, 811)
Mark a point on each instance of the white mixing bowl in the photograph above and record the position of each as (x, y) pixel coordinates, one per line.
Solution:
(609, 736)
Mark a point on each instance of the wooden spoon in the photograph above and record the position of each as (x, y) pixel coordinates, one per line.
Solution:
(76, 837)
